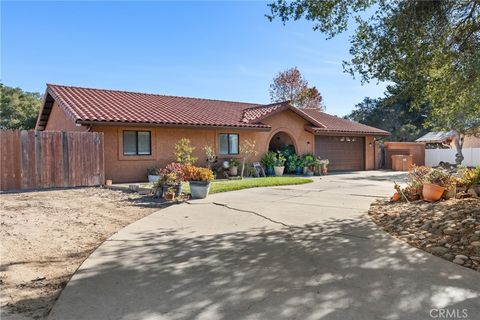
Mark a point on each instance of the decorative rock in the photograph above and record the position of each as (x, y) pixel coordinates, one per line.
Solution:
(458, 261)
(442, 242)
(439, 250)
(449, 231)
(448, 256)
(461, 256)
(475, 244)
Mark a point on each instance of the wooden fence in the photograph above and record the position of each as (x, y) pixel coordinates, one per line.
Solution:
(47, 159)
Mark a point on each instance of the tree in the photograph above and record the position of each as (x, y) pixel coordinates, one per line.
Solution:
(18, 109)
(393, 113)
(183, 152)
(290, 85)
(247, 150)
(429, 49)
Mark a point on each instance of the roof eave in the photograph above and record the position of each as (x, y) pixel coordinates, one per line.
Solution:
(172, 125)
(326, 132)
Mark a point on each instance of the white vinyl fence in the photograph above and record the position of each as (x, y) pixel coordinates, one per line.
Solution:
(434, 156)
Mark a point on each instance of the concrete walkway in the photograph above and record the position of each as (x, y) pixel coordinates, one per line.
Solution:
(292, 252)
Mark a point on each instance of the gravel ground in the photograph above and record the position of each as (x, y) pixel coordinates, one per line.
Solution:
(449, 229)
(46, 235)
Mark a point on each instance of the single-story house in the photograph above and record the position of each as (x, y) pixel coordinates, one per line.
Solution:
(446, 140)
(140, 130)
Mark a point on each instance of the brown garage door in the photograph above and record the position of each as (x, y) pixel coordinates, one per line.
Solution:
(345, 153)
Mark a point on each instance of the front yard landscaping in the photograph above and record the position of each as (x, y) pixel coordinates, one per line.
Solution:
(448, 229)
(232, 185)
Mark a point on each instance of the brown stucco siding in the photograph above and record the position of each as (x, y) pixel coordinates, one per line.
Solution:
(120, 168)
(58, 120)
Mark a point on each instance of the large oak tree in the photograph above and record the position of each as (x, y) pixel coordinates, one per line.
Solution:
(429, 49)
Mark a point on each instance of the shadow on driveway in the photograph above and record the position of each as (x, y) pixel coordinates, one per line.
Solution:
(339, 269)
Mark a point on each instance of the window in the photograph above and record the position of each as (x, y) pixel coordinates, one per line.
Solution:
(229, 143)
(136, 143)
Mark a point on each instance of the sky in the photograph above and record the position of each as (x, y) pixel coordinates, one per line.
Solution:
(217, 50)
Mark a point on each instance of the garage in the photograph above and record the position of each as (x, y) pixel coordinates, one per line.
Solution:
(345, 153)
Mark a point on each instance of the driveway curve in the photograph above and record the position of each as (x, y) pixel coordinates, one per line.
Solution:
(290, 252)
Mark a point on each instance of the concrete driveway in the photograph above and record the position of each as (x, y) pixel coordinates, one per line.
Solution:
(293, 252)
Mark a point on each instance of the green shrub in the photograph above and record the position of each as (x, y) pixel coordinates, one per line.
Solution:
(268, 160)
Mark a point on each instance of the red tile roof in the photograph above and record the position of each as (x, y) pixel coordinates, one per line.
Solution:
(86, 105)
(333, 124)
(96, 105)
(255, 114)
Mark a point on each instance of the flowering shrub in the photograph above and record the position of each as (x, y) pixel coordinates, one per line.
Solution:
(175, 168)
(192, 173)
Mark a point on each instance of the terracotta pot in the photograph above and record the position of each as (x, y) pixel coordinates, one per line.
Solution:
(396, 196)
(169, 196)
(432, 192)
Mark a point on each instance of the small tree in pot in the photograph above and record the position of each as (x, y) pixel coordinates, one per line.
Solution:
(247, 150)
(233, 165)
(199, 180)
(279, 166)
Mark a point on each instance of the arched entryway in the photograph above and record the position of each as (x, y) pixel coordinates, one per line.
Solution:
(280, 141)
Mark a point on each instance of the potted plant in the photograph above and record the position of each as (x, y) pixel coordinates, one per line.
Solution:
(233, 164)
(416, 177)
(171, 176)
(152, 174)
(169, 195)
(167, 180)
(279, 165)
(268, 161)
(308, 161)
(324, 166)
(434, 185)
(199, 180)
(211, 157)
(299, 168)
(292, 163)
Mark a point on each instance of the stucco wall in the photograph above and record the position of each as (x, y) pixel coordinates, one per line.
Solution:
(369, 153)
(120, 168)
(60, 121)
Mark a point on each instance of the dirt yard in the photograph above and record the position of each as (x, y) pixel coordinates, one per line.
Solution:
(46, 235)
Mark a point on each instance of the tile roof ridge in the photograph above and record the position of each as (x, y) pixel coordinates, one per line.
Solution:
(153, 94)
